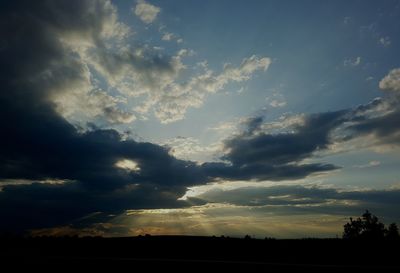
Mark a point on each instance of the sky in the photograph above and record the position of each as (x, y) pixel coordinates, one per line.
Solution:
(268, 118)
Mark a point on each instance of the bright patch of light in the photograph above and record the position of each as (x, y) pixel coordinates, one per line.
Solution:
(128, 165)
(196, 191)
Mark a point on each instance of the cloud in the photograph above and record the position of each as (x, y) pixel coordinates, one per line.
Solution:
(252, 125)
(277, 103)
(77, 105)
(18, 182)
(167, 36)
(150, 80)
(224, 126)
(276, 100)
(297, 195)
(42, 205)
(279, 150)
(373, 163)
(347, 20)
(385, 41)
(284, 148)
(172, 99)
(352, 62)
(308, 200)
(375, 124)
(284, 124)
(391, 82)
(370, 78)
(146, 12)
(189, 148)
(99, 75)
(383, 128)
(117, 80)
(262, 172)
(378, 119)
(115, 115)
(254, 154)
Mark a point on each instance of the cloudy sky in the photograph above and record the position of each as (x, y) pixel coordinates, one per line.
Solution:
(268, 118)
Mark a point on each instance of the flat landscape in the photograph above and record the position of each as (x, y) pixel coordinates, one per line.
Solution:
(187, 252)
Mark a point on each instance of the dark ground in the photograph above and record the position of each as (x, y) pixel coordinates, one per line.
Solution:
(186, 253)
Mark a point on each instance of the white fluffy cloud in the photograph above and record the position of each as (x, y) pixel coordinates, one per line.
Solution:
(391, 82)
(145, 11)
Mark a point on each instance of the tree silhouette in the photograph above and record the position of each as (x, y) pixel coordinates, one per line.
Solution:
(367, 227)
(393, 232)
(353, 229)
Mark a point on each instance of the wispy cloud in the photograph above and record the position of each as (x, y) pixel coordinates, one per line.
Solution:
(276, 100)
(385, 41)
(352, 62)
(373, 163)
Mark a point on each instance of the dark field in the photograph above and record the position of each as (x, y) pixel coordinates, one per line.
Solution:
(186, 253)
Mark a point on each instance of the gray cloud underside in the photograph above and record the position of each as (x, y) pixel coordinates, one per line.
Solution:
(296, 195)
(39, 144)
(307, 199)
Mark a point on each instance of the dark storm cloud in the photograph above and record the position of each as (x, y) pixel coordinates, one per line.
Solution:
(284, 148)
(259, 171)
(258, 155)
